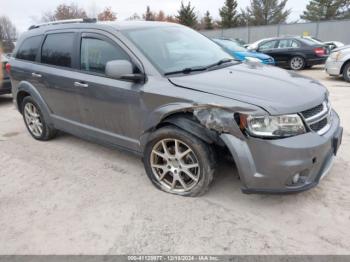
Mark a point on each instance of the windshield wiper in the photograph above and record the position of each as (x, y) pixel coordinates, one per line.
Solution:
(220, 62)
(187, 70)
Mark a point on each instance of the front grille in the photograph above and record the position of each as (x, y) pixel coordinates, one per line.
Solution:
(319, 125)
(313, 111)
(318, 118)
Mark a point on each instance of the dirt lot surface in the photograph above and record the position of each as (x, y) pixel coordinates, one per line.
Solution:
(69, 196)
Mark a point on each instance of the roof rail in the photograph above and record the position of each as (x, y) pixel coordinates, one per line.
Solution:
(67, 21)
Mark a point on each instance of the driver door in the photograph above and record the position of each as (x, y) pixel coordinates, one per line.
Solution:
(109, 108)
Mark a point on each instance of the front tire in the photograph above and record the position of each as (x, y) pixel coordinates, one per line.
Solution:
(297, 63)
(346, 72)
(179, 163)
(35, 121)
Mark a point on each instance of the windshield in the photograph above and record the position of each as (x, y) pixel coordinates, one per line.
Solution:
(175, 48)
(231, 45)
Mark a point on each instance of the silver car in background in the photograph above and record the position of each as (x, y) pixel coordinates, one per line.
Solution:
(338, 63)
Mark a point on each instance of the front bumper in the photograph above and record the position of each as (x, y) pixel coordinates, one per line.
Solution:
(268, 166)
(333, 67)
(5, 86)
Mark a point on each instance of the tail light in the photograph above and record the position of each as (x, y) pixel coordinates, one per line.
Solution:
(8, 68)
(320, 51)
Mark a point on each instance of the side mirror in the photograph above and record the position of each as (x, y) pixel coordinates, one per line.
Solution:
(122, 69)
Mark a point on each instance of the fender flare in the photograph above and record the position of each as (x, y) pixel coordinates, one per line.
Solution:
(28, 88)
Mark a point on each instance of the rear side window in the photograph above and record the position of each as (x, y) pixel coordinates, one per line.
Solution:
(95, 54)
(58, 49)
(288, 43)
(29, 48)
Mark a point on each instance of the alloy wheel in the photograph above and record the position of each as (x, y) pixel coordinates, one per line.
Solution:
(297, 63)
(175, 165)
(33, 119)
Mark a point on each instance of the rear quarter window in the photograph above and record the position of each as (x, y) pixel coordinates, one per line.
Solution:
(58, 49)
(29, 48)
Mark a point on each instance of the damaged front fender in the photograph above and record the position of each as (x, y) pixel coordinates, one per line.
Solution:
(222, 120)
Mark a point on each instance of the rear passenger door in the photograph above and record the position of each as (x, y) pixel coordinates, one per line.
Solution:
(57, 73)
(286, 49)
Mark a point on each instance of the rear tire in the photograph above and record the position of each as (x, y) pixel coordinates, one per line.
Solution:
(185, 167)
(35, 121)
(346, 72)
(297, 63)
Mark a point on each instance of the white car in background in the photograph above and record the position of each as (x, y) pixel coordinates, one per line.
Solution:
(338, 63)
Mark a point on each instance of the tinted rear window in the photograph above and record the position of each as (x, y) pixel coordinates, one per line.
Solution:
(58, 49)
(29, 48)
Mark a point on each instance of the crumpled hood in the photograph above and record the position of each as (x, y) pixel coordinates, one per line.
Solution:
(276, 90)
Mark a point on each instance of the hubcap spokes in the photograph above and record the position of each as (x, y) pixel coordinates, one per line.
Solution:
(297, 63)
(175, 165)
(32, 118)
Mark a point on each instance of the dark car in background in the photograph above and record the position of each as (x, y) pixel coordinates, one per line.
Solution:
(294, 52)
(5, 82)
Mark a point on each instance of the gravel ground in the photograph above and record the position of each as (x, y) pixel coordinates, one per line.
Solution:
(69, 196)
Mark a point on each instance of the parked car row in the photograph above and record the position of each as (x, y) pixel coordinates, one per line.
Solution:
(295, 53)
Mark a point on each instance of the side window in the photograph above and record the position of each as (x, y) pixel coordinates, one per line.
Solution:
(268, 45)
(295, 44)
(288, 43)
(58, 49)
(29, 48)
(285, 43)
(95, 54)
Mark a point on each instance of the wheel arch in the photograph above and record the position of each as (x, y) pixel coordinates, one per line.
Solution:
(344, 65)
(27, 89)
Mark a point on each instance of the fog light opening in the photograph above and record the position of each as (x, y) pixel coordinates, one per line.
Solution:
(296, 178)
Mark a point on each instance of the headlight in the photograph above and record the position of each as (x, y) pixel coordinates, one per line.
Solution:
(336, 55)
(253, 59)
(273, 126)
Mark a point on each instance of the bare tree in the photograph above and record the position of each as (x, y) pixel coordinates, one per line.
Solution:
(107, 15)
(8, 34)
(63, 12)
(160, 16)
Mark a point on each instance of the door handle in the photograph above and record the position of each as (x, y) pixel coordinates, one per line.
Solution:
(80, 84)
(36, 75)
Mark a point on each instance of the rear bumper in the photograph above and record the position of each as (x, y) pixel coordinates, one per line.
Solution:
(5, 86)
(268, 166)
(316, 61)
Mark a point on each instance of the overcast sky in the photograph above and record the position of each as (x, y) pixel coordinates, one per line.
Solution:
(25, 13)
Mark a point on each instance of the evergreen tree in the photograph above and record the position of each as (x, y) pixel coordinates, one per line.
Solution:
(187, 16)
(149, 15)
(318, 10)
(228, 14)
(265, 12)
(208, 21)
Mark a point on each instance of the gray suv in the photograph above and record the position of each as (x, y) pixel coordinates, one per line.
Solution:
(174, 97)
